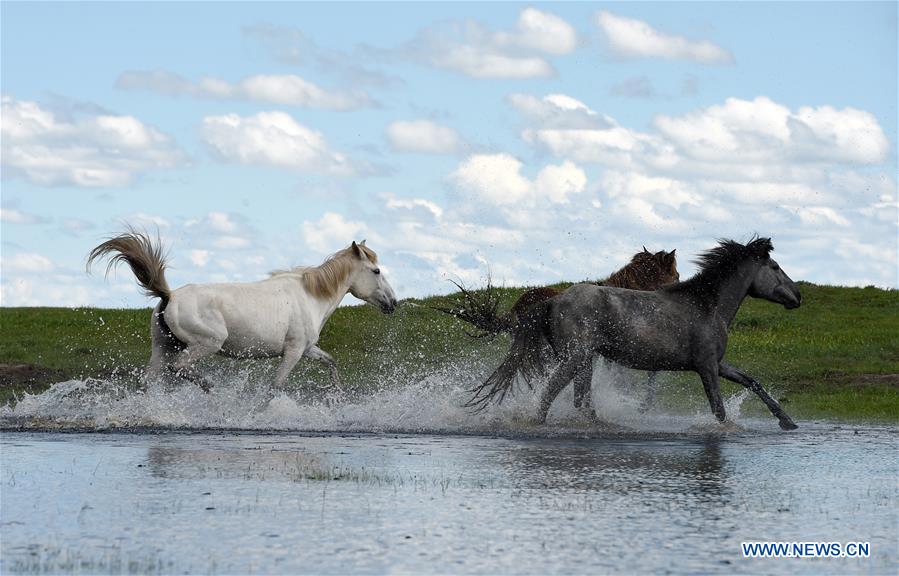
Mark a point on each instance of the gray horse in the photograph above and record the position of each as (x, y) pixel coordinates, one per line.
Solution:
(679, 327)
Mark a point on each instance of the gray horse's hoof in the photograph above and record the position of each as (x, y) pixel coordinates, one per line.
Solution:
(787, 424)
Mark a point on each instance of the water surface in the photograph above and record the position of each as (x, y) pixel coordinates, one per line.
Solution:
(538, 500)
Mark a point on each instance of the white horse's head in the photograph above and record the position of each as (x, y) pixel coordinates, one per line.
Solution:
(367, 282)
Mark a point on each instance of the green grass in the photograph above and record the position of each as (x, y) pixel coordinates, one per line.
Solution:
(837, 356)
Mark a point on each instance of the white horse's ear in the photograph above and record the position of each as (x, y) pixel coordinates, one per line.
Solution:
(358, 251)
(362, 243)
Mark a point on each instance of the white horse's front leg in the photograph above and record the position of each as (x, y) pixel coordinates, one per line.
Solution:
(317, 353)
(288, 360)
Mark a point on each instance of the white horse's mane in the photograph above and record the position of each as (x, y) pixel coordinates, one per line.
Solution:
(324, 280)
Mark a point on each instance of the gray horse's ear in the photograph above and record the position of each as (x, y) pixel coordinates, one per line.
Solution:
(362, 243)
(358, 251)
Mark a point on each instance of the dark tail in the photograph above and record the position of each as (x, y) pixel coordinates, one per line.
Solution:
(479, 310)
(146, 259)
(529, 356)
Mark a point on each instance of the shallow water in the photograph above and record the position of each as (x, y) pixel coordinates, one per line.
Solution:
(98, 478)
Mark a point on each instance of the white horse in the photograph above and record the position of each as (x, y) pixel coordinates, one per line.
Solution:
(282, 315)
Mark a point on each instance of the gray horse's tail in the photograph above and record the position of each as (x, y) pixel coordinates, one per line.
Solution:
(528, 356)
(480, 310)
(146, 259)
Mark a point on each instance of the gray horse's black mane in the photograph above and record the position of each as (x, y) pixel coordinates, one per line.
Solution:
(719, 262)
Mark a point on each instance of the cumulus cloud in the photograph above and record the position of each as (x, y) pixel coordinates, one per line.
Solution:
(470, 49)
(423, 136)
(26, 262)
(286, 89)
(11, 214)
(740, 140)
(88, 151)
(557, 111)
(293, 47)
(272, 139)
(497, 179)
(392, 202)
(332, 232)
(632, 38)
(741, 166)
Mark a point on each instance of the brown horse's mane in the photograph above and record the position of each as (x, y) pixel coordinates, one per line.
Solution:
(645, 271)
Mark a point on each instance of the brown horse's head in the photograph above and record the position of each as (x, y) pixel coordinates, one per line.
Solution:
(646, 271)
(667, 263)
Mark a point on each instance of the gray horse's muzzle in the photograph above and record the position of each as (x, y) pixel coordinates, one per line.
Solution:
(789, 296)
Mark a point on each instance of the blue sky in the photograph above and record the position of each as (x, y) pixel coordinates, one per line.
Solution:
(546, 141)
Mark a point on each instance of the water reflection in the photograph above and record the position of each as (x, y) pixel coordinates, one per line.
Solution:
(244, 463)
(695, 467)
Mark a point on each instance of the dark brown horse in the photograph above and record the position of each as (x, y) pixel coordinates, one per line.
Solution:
(645, 271)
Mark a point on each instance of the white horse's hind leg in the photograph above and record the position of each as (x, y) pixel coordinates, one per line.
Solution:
(183, 364)
(317, 353)
(164, 350)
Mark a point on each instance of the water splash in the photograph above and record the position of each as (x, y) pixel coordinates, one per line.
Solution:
(401, 401)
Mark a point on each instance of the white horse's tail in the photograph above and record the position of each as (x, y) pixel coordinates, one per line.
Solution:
(146, 259)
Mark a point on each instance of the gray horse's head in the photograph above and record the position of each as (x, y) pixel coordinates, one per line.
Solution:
(772, 283)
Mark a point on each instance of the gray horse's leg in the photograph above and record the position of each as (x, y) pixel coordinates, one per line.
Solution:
(735, 375)
(583, 384)
(560, 378)
(317, 353)
(713, 391)
(650, 397)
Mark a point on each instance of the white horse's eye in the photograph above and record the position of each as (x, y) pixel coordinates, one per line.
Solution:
(377, 270)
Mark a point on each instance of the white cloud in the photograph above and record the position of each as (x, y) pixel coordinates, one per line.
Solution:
(75, 226)
(220, 231)
(27, 262)
(93, 151)
(747, 142)
(493, 177)
(147, 221)
(199, 257)
(559, 182)
(394, 203)
(221, 222)
(12, 215)
(423, 136)
(497, 179)
(273, 139)
(614, 145)
(634, 38)
(541, 32)
(819, 216)
(557, 111)
(287, 89)
(761, 130)
(468, 48)
(332, 232)
(659, 190)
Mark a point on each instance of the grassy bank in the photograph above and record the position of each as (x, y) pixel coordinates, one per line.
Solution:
(835, 357)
